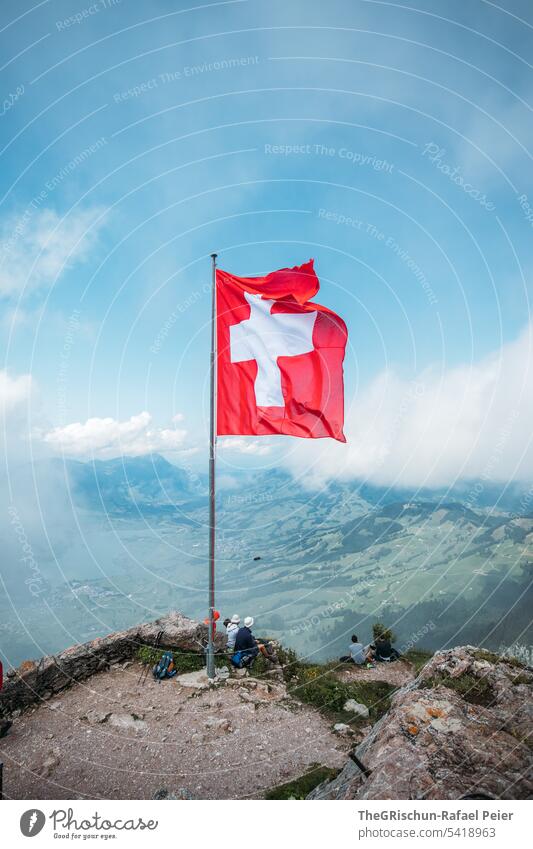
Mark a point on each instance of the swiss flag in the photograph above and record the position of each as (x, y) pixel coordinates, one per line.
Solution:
(279, 360)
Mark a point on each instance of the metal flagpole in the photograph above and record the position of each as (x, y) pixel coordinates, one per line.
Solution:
(212, 458)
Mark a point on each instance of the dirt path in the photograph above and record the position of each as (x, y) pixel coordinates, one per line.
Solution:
(111, 738)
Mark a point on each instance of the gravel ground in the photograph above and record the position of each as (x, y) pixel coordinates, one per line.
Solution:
(111, 738)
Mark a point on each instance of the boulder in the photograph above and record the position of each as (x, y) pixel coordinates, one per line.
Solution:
(460, 728)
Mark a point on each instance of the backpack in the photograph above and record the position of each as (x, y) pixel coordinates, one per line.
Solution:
(164, 667)
(237, 659)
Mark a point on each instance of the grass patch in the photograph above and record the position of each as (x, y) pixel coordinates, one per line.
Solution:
(260, 667)
(492, 657)
(301, 787)
(477, 691)
(521, 679)
(318, 686)
(183, 661)
(418, 658)
(486, 655)
(290, 663)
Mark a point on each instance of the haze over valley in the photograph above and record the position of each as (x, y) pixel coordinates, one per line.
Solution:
(116, 542)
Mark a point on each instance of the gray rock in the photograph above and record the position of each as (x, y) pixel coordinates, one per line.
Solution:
(222, 673)
(351, 706)
(95, 716)
(214, 723)
(342, 728)
(127, 721)
(195, 680)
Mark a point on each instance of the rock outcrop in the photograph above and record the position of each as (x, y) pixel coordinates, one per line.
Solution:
(463, 726)
(34, 681)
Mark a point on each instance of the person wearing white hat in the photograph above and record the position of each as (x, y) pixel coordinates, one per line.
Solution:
(231, 631)
(245, 643)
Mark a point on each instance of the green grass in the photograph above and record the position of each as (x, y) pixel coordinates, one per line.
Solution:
(301, 787)
(290, 663)
(418, 658)
(183, 661)
(492, 657)
(318, 685)
(477, 691)
(260, 667)
(486, 655)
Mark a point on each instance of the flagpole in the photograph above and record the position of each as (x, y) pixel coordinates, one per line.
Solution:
(212, 459)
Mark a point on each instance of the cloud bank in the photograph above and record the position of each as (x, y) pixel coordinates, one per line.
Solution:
(466, 422)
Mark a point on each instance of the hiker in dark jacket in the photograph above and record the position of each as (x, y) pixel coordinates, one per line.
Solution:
(246, 643)
(384, 651)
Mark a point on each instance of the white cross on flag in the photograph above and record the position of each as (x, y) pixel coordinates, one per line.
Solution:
(279, 360)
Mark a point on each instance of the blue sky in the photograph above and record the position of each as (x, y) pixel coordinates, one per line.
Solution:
(389, 141)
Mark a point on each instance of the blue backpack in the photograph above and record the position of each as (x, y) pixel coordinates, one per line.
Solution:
(164, 667)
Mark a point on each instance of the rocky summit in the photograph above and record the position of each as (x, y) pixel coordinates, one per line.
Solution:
(91, 722)
(463, 727)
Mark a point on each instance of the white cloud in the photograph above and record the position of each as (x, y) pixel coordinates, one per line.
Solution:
(36, 247)
(245, 445)
(227, 482)
(471, 421)
(13, 391)
(16, 393)
(105, 438)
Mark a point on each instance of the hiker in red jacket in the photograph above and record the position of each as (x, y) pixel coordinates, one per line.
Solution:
(216, 617)
(5, 724)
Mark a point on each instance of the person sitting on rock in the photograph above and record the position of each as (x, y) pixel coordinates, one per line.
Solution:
(246, 649)
(384, 652)
(358, 653)
(232, 628)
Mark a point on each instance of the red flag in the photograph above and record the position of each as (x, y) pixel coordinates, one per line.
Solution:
(279, 365)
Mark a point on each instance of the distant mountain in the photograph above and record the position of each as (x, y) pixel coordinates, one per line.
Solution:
(151, 483)
(134, 485)
(514, 497)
